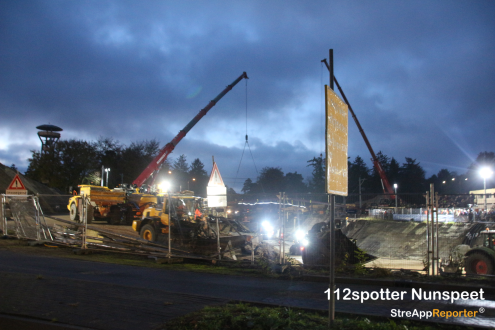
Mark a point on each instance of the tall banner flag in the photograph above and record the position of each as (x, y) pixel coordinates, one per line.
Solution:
(336, 143)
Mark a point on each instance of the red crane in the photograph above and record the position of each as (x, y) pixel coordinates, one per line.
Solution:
(156, 163)
(387, 188)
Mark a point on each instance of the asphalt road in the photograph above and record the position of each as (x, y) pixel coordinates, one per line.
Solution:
(107, 296)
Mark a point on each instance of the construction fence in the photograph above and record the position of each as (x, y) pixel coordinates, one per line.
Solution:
(22, 216)
(404, 231)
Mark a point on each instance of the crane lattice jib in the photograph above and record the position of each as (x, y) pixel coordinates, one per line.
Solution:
(169, 147)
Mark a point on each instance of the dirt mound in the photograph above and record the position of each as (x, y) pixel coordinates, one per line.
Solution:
(403, 240)
(51, 200)
(7, 175)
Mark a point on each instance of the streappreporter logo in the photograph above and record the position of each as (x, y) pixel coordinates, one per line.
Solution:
(434, 313)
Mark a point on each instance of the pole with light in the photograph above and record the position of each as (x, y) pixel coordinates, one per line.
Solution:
(485, 173)
(395, 188)
(107, 170)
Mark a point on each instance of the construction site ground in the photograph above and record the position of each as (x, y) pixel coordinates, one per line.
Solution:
(39, 290)
(40, 286)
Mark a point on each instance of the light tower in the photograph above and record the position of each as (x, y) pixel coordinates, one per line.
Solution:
(49, 136)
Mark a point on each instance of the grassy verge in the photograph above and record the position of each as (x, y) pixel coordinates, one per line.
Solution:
(231, 268)
(245, 316)
(21, 246)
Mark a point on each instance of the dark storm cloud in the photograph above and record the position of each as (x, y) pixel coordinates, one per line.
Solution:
(419, 75)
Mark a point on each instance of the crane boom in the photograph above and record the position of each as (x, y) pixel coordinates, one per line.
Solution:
(169, 147)
(387, 188)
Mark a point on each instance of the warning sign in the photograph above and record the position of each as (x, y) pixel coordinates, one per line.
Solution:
(216, 190)
(215, 177)
(16, 187)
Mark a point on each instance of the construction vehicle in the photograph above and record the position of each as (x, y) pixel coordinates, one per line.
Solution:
(126, 203)
(190, 227)
(105, 204)
(387, 188)
(147, 191)
(481, 259)
(184, 215)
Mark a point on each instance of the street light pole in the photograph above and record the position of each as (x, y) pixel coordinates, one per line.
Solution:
(360, 183)
(485, 173)
(107, 170)
(188, 183)
(395, 187)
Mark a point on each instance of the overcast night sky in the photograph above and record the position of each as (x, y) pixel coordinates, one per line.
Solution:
(420, 76)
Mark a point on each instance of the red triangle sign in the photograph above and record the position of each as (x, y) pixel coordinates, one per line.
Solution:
(215, 177)
(16, 184)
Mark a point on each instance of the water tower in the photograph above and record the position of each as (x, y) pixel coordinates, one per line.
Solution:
(49, 136)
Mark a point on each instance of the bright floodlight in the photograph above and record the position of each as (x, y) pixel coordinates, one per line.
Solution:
(395, 185)
(486, 172)
(268, 228)
(164, 186)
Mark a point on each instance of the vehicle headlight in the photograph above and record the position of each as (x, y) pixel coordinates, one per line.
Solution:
(305, 242)
(299, 234)
(268, 228)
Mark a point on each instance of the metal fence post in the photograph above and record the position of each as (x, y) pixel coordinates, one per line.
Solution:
(4, 219)
(331, 314)
(436, 236)
(280, 222)
(169, 226)
(219, 248)
(84, 215)
(427, 233)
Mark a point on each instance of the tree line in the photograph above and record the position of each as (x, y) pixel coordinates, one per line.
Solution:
(73, 162)
(409, 176)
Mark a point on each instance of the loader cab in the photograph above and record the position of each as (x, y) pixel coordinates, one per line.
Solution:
(489, 239)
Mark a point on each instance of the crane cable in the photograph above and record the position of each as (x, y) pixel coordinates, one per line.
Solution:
(247, 144)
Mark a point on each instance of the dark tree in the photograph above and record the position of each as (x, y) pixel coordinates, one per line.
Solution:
(445, 182)
(71, 163)
(135, 158)
(375, 184)
(249, 187)
(294, 183)
(393, 173)
(412, 177)
(317, 181)
(198, 178)
(358, 170)
(180, 164)
(180, 173)
(271, 180)
(109, 153)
